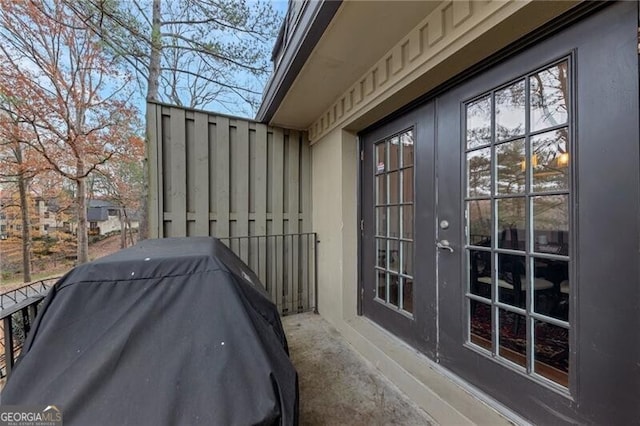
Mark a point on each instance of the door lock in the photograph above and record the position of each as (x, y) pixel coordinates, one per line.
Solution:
(444, 245)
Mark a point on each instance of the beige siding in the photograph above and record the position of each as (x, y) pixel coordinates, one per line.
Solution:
(224, 176)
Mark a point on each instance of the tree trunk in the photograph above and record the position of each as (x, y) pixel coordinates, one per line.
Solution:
(26, 229)
(81, 203)
(153, 84)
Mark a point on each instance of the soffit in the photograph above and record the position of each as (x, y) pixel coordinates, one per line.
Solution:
(359, 34)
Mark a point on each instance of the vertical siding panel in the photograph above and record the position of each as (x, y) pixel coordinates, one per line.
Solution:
(305, 206)
(260, 189)
(277, 186)
(154, 164)
(223, 180)
(179, 173)
(242, 186)
(293, 209)
(165, 164)
(201, 190)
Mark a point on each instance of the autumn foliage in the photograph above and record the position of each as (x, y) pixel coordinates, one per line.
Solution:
(64, 102)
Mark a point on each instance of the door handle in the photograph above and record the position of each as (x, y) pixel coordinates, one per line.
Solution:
(444, 245)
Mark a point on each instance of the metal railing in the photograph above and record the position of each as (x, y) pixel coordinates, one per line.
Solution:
(17, 295)
(286, 265)
(18, 310)
(16, 323)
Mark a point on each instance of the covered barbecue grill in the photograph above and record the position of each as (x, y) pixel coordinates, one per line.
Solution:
(170, 331)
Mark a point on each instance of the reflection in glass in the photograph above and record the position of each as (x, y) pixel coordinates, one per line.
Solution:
(511, 223)
(381, 221)
(407, 222)
(479, 173)
(394, 289)
(510, 165)
(394, 221)
(512, 281)
(480, 273)
(394, 187)
(510, 111)
(479, 214)
(381, 250)
(380, 158)
(513, 337)
(551, 281)
(407, 294)
(393, 263)
(407, 258)
(551, 344)
(407, 185)
(549, 97)
(381, 285)
(406, 140)
(550, 161)
(551, 224)
(480, 327)
(479, 122)
(394, 153)
(381, 190)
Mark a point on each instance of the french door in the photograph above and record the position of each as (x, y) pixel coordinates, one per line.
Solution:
(495, 236)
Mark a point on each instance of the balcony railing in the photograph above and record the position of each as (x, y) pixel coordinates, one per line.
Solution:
(286, 265)
(18, 310)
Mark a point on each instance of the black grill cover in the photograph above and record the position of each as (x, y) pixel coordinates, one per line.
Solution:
(173, 331)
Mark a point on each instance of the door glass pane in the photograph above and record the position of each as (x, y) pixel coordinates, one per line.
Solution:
(552, 352)
(381, 221)
(480, 273)
(407, 294)
(394, 153)
(513, 337)
(381, 159)
(381, 190)
(406, 140)
(481, 326)
(394, 289)
(479, 123)
(407, 222)
(381, 253)
(549, 96)
(393, 262)
(551, 224)
(550, 161)
(511, 168)
(407, 258)
(479, 214)
(479, 173)
(511, 223)
(510, 111)
(407, 185)
(381, 285)
(394, 221)
(551, 286)
(512, 280)
(394, 187)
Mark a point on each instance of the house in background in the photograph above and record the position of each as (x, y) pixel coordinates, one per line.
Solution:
(105, 217)
(471, 169)
(475, 187)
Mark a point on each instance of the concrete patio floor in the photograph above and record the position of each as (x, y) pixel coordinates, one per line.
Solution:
(337, 385)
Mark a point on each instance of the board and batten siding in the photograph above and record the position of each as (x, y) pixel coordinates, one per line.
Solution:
(221, 176)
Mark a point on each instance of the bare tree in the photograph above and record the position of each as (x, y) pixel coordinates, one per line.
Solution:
(194, 53)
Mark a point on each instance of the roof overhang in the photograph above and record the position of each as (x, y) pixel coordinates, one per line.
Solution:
(334, 44)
